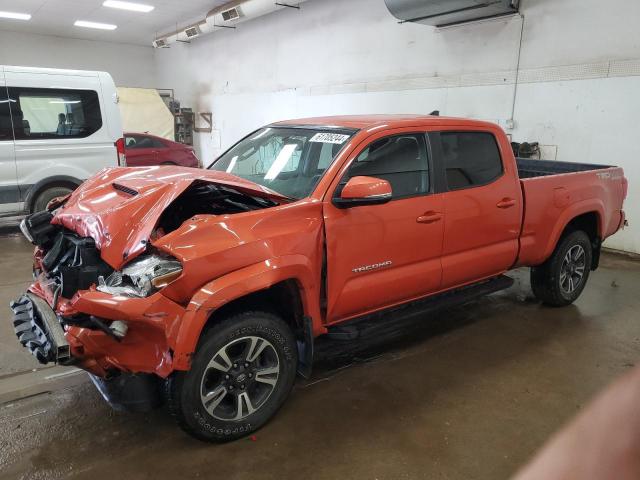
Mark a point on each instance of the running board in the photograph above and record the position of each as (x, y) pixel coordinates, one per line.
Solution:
(393, 319)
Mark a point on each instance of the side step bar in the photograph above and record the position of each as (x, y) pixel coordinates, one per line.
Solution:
(393, 319)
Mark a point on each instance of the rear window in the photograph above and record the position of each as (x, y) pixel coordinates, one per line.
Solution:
(470, 158)
(135, 142)
(48, 113)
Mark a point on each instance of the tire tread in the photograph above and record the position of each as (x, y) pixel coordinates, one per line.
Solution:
(544, 278)
(174, 383)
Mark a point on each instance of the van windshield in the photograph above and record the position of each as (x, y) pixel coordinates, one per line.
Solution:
(289, 161)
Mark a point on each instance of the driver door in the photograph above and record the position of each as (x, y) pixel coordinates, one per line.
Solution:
(382, 255)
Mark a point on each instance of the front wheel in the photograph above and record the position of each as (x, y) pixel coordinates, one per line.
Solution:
(241, 374)
(560, 280)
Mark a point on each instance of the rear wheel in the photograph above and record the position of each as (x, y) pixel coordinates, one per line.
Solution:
(241, 374)
(560, 280)
(44, 197)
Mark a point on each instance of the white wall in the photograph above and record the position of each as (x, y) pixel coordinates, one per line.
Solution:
(577, 92)
(129, 65)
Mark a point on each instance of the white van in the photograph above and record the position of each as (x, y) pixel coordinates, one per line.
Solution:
(57, 128)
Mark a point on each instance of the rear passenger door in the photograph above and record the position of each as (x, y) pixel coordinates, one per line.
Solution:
(482, 206)
(9, 193)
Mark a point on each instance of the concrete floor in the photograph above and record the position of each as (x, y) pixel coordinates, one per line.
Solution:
(15, 277)
(468, 394)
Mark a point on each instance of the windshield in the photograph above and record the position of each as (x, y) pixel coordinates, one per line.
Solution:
(289, 161)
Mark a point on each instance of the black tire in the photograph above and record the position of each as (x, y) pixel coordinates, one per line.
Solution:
(45, 196)
(549, 281)
(185, 390)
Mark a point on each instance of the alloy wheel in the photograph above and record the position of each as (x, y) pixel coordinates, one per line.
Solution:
(240, 378)
(572, 269)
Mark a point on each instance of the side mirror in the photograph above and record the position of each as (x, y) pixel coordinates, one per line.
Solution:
(364, 191)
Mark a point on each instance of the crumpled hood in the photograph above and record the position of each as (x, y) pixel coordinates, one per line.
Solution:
(119, 207)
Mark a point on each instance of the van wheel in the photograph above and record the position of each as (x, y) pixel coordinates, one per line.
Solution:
(242, 372)
(44, 197)
(560, 280)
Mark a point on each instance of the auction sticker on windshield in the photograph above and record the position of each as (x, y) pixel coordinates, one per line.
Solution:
(329, 138)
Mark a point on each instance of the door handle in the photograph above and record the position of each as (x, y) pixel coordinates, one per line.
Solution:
(506, 203)
(429, 217)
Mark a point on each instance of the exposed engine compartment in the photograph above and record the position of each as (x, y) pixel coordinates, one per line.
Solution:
(72, 262)
(206, 198)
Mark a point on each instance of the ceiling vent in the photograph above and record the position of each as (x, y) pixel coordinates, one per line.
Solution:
(228, 15)
(231, 14)
(442, 13)
(160, 43)
(192, 31)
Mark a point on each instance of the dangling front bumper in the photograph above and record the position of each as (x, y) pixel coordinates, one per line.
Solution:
(39, 330)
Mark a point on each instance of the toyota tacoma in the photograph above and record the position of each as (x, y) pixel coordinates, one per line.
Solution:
(206, 289)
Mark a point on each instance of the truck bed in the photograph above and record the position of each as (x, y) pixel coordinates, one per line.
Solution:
(529, 168)
(556, 192)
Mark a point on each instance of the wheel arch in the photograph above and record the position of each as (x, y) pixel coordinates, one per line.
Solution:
(282, 298)
(591, 224)
(279, 286)
(588, 216)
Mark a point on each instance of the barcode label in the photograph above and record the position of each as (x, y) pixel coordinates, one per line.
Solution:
(338, 138)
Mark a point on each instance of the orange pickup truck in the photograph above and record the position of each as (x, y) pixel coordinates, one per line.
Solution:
(206, 289)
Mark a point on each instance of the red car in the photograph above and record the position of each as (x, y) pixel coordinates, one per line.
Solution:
(143, 149)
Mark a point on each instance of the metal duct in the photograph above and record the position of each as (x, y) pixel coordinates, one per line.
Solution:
(214, 19)
(441, 13)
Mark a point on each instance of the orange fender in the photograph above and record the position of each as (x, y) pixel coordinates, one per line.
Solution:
(238, 284)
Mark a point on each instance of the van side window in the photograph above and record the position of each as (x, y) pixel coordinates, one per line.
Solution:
(470, 159)
(400, 159)
(48, 113)
(6, 132)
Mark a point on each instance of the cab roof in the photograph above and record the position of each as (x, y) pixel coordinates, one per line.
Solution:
(360, 122)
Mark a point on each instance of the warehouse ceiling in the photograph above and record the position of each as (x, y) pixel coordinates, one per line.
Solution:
(57, 17)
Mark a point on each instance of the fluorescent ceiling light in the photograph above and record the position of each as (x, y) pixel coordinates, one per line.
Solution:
(134, 7)
(99, 26)
(15, 16)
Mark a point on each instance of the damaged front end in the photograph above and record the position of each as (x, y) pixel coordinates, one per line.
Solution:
(100, 268)
(64, 263)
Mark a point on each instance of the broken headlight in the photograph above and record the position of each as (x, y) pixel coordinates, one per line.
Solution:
(142, 276)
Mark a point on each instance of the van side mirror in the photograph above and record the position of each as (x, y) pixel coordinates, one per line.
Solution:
(364, 191)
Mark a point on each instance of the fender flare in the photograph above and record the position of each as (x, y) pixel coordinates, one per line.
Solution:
(42, 184)
(575, 210)
(238, 284)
